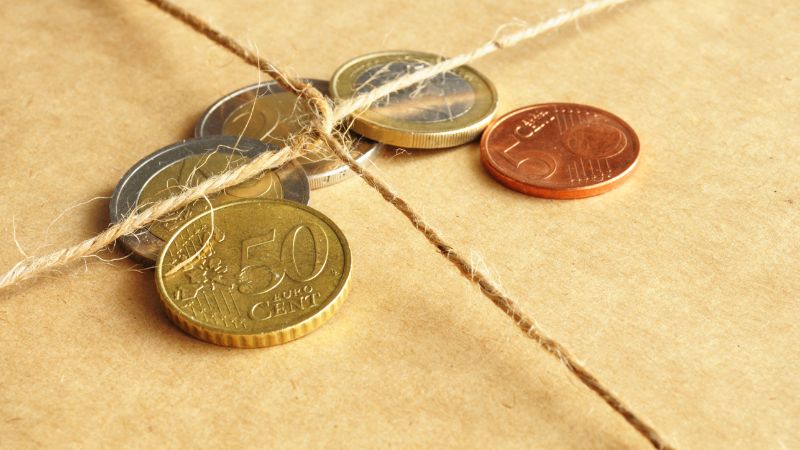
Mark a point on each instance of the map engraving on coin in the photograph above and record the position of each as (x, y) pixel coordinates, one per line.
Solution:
(560, 150)
(444, 97)
(170, 170)
(447, 110)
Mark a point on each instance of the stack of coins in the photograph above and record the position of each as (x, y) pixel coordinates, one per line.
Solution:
(253, 265)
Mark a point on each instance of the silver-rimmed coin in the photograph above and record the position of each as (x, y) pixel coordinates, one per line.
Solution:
(187, 163)
(269, 113)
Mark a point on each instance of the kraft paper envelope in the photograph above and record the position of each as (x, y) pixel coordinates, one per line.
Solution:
(679, 290)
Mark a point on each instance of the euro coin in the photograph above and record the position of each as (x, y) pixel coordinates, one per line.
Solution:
(560, 150)
(171, 169)
(254, 273)
(269, 113)
(447, 110)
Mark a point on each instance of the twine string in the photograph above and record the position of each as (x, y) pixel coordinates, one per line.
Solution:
(321, 124)
(362, 102)
(32, 266)
(313, 96)
(495, 294)
(320, 130)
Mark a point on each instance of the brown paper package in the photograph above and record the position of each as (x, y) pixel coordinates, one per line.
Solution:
(679, 290)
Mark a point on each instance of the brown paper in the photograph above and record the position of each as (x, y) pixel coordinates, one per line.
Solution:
(679, 290)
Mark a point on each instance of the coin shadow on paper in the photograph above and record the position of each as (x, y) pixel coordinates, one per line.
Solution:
(399, 155)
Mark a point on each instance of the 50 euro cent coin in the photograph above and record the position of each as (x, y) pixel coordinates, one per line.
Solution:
(254, 273)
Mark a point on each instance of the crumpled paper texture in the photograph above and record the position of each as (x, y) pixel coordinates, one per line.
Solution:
(679, 290)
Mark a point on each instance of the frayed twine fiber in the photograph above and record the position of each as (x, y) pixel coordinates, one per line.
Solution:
(321, 131)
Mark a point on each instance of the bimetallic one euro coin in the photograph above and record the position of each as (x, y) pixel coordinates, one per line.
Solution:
(560, 150)
(254, 273)
(447, 110)
(187, 163)
(269, 113)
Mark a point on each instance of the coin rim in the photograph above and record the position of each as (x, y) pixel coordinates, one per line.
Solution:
(570, 193)
(243, 339)
(129, 189)
(405, 135)
(212, 121)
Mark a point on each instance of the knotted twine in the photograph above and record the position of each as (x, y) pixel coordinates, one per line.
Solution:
(320, 131)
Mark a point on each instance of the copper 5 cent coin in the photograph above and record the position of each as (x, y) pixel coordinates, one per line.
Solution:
(560, 150)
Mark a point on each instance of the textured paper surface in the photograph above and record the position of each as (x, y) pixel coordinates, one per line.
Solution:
(678, 290)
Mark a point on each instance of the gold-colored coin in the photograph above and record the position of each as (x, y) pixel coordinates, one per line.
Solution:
(190, 172)
(272, 116)
(269, 118)
(447, 110)
(273, 119)
(259, 273)
(185, 164)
